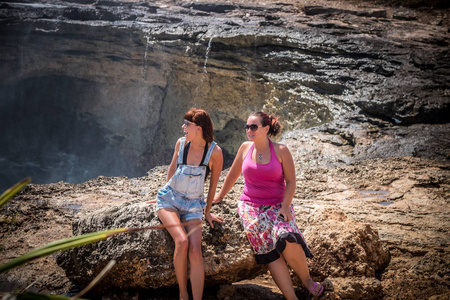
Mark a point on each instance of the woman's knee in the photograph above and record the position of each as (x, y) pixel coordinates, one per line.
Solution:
(182, 243)
(294, 248)
(195, 253)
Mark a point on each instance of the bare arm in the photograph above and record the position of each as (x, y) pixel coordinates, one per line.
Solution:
(234, 173)
(216, 165)
(172, 166)
(289, 176)
(173, 163)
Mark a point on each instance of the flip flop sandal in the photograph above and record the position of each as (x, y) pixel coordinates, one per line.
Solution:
(314, 290)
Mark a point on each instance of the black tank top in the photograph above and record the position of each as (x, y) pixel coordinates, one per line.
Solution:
(185, 153)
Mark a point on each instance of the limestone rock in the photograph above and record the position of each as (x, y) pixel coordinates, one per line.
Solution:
(356, 288)
(148, 63)
(144, 259)
(347, 255)
(343, 247)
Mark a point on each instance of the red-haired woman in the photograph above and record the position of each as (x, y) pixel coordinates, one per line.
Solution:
(265, 206)
(196, 156)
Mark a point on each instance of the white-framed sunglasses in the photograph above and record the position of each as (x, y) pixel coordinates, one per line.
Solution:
(186, 123)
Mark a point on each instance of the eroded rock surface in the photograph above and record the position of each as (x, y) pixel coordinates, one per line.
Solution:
(343, 248)
(117, 75)
(403, 199)
(145, 259)
(363, 91)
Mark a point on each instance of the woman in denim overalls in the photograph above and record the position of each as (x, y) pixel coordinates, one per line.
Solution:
(182, 198)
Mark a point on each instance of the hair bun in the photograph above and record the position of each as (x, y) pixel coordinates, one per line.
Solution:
(272, 121)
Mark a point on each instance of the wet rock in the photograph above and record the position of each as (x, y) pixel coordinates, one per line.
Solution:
(318, 10)
(344, 141)
(402, 13)
(148, 64)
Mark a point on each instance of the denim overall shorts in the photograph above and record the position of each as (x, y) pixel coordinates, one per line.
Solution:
(184, 191)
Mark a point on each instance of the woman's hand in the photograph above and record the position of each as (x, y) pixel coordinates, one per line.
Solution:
(217, 199)
(285, 214)
(151, 201)
(212, 217)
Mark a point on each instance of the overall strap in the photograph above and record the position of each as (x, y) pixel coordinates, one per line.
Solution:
(180, 152)
(205, 161)
(186, 151)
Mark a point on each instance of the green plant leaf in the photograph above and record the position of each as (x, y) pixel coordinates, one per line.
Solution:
(9, 193)
(60, 245)
(35, 296)
(72, 242)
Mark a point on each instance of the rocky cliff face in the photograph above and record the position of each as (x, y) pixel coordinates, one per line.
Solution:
(105, 84)
(100, 87)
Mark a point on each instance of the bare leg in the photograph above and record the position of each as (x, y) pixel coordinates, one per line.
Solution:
(197, 268)
(296, 258)
(281, 276)
(180, 260)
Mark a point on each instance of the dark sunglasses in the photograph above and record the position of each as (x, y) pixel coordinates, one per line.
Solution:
(253, 127)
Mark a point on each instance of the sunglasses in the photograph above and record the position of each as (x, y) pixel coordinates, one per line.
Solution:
(252, 127)
(186, 123)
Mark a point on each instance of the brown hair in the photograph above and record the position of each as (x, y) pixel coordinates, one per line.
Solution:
(201, 118)
(272, 121)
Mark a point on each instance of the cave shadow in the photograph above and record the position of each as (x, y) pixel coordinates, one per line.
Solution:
(235, 291)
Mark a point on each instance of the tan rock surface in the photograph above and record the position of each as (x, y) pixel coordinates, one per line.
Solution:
(414, 227)
(404, 198)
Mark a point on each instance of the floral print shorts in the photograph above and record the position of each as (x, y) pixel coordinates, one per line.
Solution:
(268, 234)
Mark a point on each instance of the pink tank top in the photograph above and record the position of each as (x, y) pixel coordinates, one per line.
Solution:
(264, 183)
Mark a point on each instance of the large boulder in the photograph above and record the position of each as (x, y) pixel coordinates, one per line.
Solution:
(342, 247)
(347, 254)
(144, 259)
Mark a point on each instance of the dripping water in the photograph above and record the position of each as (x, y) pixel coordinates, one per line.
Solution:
(144, 67)
(208, 50)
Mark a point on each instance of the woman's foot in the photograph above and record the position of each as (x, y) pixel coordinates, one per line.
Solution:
(184, 296)
(317, 289)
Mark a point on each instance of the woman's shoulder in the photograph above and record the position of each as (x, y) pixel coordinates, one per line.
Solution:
(279, 145)
(216, 149)
(177, 144)
(244, 148)
(216, 156)
(280, 148)
(246, 144)
(180, 141)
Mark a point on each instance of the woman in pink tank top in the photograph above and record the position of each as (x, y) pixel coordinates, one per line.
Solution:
(265, 207)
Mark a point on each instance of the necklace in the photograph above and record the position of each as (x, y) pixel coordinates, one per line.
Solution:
(260, 156)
